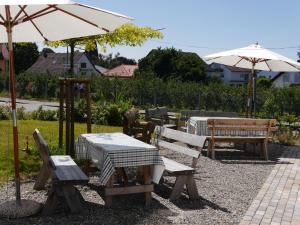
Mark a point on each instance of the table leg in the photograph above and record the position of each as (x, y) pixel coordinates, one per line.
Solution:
(147, 180)
(108, 198)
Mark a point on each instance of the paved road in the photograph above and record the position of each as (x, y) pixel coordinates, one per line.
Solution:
(30, 105)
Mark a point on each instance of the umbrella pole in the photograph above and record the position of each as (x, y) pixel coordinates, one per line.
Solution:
(12, 83)
(249, 95)
(254, 94)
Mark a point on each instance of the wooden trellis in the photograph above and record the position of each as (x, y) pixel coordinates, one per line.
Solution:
(66, 100)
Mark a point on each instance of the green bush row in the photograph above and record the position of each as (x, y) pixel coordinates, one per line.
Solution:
(146, 90)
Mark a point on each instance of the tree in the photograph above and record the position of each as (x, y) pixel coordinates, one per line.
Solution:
(45, 51)
(25, 55)
(171, 63)
(128, 34)
(111, 61)
(264, 82)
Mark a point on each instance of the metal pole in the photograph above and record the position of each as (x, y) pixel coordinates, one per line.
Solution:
(13, 104)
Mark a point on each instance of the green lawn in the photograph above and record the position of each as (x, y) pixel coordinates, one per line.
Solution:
(30, 163)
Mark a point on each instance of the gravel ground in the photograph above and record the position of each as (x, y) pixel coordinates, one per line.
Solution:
(226, 186)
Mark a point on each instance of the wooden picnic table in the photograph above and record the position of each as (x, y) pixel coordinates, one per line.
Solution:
(112, 152)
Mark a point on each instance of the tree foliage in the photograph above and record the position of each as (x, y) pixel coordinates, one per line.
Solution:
(171, 63)
(25, 55)
(128, 34)
(110, 61)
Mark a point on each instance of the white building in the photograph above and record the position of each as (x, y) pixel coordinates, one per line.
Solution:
(228, 74)
(58, 63)
(286, 79)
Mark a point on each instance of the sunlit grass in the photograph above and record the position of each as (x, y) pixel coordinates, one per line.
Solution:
(30, 163)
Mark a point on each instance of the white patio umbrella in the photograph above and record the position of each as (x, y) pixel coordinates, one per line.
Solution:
(254, 57)
(48, 20)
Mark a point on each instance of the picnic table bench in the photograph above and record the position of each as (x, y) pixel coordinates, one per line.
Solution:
(184, 174)
(242, 130)
(64, 174)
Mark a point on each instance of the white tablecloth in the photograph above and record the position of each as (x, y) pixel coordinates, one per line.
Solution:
(198, 125)
(110, 150)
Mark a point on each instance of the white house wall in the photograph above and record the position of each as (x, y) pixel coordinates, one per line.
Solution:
(90, 69)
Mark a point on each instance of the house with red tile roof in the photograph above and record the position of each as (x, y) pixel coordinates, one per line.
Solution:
(122, 71)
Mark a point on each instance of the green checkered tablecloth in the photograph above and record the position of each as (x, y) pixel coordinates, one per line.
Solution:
(111, 150)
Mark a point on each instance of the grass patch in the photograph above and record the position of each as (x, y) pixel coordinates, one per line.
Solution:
(30, 162)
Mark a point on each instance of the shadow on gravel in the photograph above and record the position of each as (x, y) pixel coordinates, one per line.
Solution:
(250, 156)
(164, 190)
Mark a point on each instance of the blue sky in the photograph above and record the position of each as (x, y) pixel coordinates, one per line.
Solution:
(210, 26)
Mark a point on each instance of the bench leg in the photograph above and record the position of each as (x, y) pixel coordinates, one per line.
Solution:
(147, 180)
(192, 187)
(213, 150)
(42, 178)
(51, 203)
(181, 180)
(265, 147)
(209, 149)
(73, 199)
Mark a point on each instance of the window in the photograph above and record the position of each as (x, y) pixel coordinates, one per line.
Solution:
(83, 65)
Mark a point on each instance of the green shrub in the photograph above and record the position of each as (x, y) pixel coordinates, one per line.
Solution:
(43, 114)
(4, 113)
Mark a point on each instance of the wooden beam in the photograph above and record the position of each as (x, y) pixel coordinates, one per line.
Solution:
(80, 18)
(61, 113)
(33, 23)
(110, 191)
(19, 13)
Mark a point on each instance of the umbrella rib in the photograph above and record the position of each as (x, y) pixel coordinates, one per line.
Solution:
(238, 61)
(2, 17)
(36, 14)
(19, 13)
(33, 23)
(80, 18)
(267, 65)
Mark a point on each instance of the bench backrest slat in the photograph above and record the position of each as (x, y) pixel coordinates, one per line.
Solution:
(176, 135)
(260, 125)
(42, 145)
(242, 122)
(178, 148)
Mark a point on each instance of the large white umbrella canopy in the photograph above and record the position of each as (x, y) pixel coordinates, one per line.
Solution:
(51, 20)
(48, 20)
(254, 57)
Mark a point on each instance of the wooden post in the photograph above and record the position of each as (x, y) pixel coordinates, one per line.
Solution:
(88, 102)
(67, 117)
(61, 112)
(71, 148)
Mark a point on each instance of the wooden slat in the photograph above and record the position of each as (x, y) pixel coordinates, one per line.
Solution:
(67, 170)
(173, 166)
(187, 138)
(129, 190)
(242, 122)
(241, 128)
(178, 148)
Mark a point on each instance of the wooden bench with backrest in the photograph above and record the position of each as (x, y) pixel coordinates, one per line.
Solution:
(132, 126)
(184, 174)
(240, 131)
(185, 115)
(161, 117)
(64, 174)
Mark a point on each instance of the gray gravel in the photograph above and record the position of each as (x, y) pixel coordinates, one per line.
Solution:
(227, 187)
